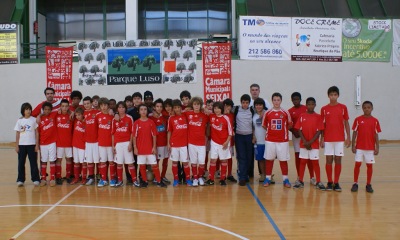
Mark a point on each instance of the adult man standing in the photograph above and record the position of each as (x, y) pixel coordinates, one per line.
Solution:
(255, 93)
(49, 93)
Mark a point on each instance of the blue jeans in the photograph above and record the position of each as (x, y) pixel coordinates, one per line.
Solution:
(24, 151)
(244, 153)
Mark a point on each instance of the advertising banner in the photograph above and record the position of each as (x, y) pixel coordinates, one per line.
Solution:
(59, 71)
(367, 40)
(396, 42)
(264, 38)
(317, 39)
(217, 71)
(9, 43)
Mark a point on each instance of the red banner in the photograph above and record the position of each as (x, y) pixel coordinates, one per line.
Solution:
(217, 71)
(59, 71)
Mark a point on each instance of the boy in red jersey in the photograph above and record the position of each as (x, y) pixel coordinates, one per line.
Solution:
(336, 121)
(185, 97)
(104, 120)
(177, 142)
(295, 113)
(91, 138)
(145, 147)
(277, 122)
(64, 141)
(47, 141)
(309, 126)
(365, 143)
(197, 126)
(228, 105)
(122, 144)
(221, 134)
(78, 147)
(76, 97)
(161, 143)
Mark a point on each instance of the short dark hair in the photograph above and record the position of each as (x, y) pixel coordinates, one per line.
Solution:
(311, 99)
(209, 101)
(259, 101)
(79, 110)
(255, 85)
(276, 94)
(121, 103)
(104, 100)
(47, 104)
(185, 93)
(168, 101)
(137, 94)
(128, 98)
(295, 94)
(333, 89)
(87, 98)
(159, 100)
(112, 100)
(176, 102)
(75, 94)
(219, 105)
(95, 97)
(64, 101)
(245, 97)
(25, 106)
(143, 105)
(49, 88)
(228, 102)
(367, 102)
(148, 94)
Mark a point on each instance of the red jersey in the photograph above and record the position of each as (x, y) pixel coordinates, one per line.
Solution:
(144, 131)
(177, 125)
(221, 128)
(197, 124)
(161, 125)
(78, 138)
(38, 109)
(295, 113)
(104, 122)
(72, 108)
(91, 125)
(334, 117)
(48, 129)
(122, 129)
(366, 128)
(277, 123)
(309, 124)
(64, 130)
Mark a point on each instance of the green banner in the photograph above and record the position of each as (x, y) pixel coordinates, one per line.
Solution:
(367, 40)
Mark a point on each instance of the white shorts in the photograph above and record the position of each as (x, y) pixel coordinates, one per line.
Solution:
(296, 143)
(123, 156)
(106, 154)
(197, 154)
(146, 159)
(312, 154)
(367, 155)
(179, 154)
(48, 152)
(79, 155)
(64, 152)
(216, 151)
(334, 149)
(92, 153)
(162, 152)
(279, 150)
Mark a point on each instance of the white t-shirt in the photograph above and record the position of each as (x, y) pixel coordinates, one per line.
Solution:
(259, 131)
(267, 104)
(27, 128)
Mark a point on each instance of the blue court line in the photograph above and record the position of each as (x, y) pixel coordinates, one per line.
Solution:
(266, 213)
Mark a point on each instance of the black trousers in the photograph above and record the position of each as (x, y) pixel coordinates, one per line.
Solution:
(24, 151)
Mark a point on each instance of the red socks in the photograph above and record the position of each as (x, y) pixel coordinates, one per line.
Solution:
(91, 169)
(297, 159)
(175, 170)
(229, 167)
(77, 168)
(69, 168)
(328, 168)
(53, 171)
(84, 172)
(186, 169)
(316, 169)
(369, 173)
(143, 173)
(58, 170)
(213, 167)
(132, 171)
(284, 168)
(201, 170)
(164, 167)
(43, 170)
(113, 171)
(195, 171)
(269, 165)
(338, 170)
(311, 168)
(302, 168)
(156, 172)
(103, 171)
(357, 166)
(120, 169)
(224, 166)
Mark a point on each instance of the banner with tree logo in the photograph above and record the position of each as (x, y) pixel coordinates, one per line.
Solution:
(176, 61)
(367, 40)
(217, 71)
(396, 42)
(59, 71)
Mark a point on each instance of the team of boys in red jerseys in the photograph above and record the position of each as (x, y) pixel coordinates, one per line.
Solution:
(103, 136)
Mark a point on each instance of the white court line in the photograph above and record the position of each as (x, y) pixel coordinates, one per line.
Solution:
(124, 209)
(45, 213)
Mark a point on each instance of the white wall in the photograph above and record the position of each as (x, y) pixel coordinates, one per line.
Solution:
(380, 84)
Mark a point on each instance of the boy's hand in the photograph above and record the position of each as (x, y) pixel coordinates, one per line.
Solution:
(376, 151)
(347, 142)
(116, 117)
(72, 115)
(17, 149)
(353, 149)
(254, 140)
(322, 144)
(225, 145)
(130, 148)
(153, 151)
(37, 148)
(135, 151)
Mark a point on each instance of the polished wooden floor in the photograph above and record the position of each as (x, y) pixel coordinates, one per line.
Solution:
(251, 212)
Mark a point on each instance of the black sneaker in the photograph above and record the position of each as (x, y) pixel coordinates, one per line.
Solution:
(354, 188)
(231, 179)
(337, 188)
(369, 189)
(129, 182)
(320, 186)
(59, 181)
(210, 182)
(222, 182)
(143, 184)
(272, 180)
(161, 184)
(329, 186)
(242, 183)
(298, 185)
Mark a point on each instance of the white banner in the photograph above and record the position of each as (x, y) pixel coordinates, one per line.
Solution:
(317, 39)
(264, 38)
(396, 42)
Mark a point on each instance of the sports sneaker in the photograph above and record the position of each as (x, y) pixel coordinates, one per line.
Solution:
(354, 188)
(143, 184)
(195, 183)
(20, 184)
(272, 179)
(222, 182)
(119, 184)
(102, 183)
(231, 179)
(166, 181)
(369, 189)
(43, 183)
(161, 184)
(136, 184)
(113, 182)
(298, 185)
(189, 183)
(129, 182)
(36, 183)
(89, 181)
(329, 186)
(210, 182)
(313, 181)
(201, 181)
(262, 178)
(74, 181)
(297, 182)
(176, 183)
(286, 183)
(337, 188)
(52, 183)
(266, 182)
(154, 181)
(59, 181)
(320, 186)
(217, 174)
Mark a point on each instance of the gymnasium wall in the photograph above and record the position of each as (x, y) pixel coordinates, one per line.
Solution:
(380, 84)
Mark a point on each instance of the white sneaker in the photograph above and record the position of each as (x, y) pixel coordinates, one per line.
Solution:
(195, 183)
(20, 184)
(297, 182)
(89, 181)
(313, 181)
(201, 181)
(36, 183)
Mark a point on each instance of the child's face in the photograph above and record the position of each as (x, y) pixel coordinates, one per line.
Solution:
(104, 108)
(333, 96)
(177, 110)
(79, 116)
(95, 103)
(75, 101)
(121, 109)
(27, 112)
(148, 101)
(276, 101)
(168, 108)
(259, 107)
(209, 106)
(143, 111)
(129, 104)
(367, 109)
(46, 111)
(217, 111)
(64, 108)
(137, 101)
(196, 107)
(113, 104)
(185, 101)
(296, 101)
(310, 106)
(227, 109)
(87, 105)
(158, 107)
(245, 104)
